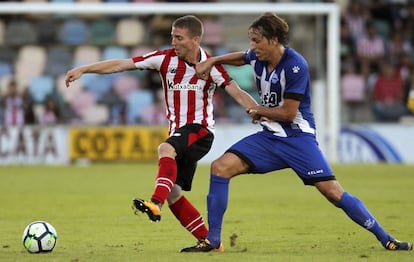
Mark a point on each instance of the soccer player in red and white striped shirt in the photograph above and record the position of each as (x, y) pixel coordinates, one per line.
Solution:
(189, 109)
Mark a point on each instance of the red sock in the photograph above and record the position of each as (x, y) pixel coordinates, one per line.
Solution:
(167, 174)
(189, 218)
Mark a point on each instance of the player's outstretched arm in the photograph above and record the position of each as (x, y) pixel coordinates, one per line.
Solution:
(103, 67)
(203, 68)
(242, 97)
(285, 112)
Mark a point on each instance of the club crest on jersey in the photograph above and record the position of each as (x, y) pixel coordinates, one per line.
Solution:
(186, 86)
(173, 70)
(275, 79)
(295, 69)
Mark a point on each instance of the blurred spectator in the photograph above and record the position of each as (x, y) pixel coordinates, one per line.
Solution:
(118, 114)
(385, 10)
(353, 92)
(408, 22)
(117, 107)
(347, 42)
(356, 17)
(13, 106)
(51, 113)
(388, 104)
(155, 113)
(398, 47)
(370, 50)
(405, 70)
(28, 104)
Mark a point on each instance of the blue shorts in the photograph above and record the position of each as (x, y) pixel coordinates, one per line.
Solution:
(264, 152)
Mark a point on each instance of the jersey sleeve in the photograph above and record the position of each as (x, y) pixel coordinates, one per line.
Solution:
(220, 76)
(297, 78)
(248, 56)
(149, 61)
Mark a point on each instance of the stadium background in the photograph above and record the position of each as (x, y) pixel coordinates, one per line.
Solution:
(99, 117)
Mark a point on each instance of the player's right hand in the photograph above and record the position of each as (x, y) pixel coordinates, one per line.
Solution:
(72, 75)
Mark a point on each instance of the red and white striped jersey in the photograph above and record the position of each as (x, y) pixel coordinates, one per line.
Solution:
(188, 99)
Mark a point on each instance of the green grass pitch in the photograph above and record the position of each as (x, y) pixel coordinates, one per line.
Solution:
(275, 217)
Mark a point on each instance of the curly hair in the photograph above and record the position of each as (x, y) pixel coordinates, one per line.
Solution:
(270, 26)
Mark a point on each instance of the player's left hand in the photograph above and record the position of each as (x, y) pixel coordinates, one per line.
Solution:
(256, 117)
(253, 112)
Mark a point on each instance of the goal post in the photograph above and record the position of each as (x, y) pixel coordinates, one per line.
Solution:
(326, 90)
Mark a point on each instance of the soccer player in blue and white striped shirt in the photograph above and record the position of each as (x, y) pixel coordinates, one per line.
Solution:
(288, 137)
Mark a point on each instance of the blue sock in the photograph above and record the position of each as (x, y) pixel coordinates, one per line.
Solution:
(357, 211)
(217, 200)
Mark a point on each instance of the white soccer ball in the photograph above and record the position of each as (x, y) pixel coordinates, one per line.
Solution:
(39, 237)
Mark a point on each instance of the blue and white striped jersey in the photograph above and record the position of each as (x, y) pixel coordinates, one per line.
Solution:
(290, 78)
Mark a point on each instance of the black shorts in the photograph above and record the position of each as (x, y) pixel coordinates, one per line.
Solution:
(191, 143)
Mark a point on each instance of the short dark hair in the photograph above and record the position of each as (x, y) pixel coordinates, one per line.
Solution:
(190, 22)
(270, 26)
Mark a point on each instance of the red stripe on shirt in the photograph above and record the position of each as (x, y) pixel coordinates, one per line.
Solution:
(191, 101)
(180, 71)
(163, 73)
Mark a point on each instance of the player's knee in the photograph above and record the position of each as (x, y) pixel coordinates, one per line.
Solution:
(333, 196)
(166, 150)
(215, 166)
(331, 190)
(221, 168)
